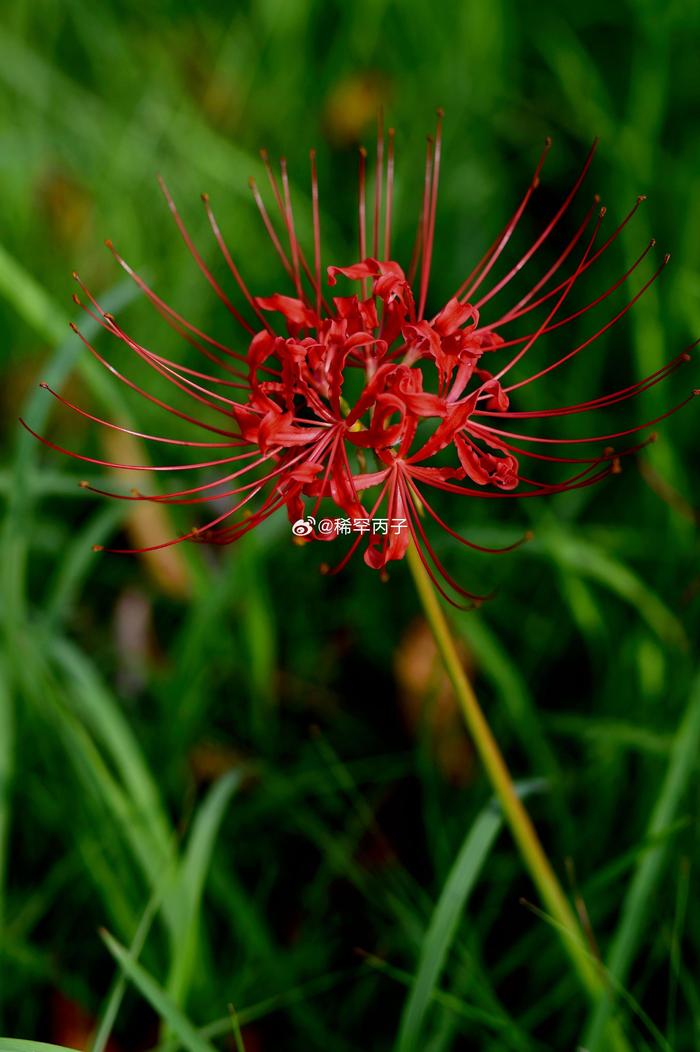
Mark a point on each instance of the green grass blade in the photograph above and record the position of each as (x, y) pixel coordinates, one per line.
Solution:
(192, 876)
(32, 303)
(116, 996)
(147, 986)
(78, 560)
(512, 688)
(30, 300)
(578, 556)
(11, 1044)
(444, 922)
(236, 1027)
(7, 744)
(636, 912)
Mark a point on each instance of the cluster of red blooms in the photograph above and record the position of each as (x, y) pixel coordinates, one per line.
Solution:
(336, 409)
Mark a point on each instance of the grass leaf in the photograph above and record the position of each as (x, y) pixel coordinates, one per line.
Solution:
(157, 998)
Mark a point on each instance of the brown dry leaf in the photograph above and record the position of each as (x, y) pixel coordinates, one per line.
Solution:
(72, 1025)
(428, 701)
(149, 523)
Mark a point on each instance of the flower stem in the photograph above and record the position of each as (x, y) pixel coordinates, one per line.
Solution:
(543, 876)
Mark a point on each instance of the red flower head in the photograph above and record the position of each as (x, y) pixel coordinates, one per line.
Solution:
(361, 400)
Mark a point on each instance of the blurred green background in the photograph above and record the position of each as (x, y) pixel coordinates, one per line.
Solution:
(254, 777)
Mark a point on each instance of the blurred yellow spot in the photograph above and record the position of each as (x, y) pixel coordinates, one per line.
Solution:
(352, 106)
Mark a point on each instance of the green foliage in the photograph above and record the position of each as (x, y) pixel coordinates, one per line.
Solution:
(210, 758)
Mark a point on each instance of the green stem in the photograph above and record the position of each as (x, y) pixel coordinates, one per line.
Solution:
(543, 876)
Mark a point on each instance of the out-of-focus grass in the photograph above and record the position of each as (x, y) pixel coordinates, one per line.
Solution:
(158, 773)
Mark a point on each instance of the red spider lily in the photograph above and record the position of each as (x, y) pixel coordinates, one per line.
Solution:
(364, 401)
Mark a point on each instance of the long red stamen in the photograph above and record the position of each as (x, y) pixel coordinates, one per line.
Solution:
(317, 230)
(487, 261)
(220, 240)
(332, 571)
(596, 438)
(145, 394)
(190, 443)
(103, 320)
(557, 306)
(601, 401)
(540, 240)
(285, 213)
(542, 489)
(413, 522)
(518, 312)
(603, 329)
(428, 248)
(200, 262)
(291, 232)
(362, 213)
(378, 180)
(109, 324)
(389, 195)
(424, 221)
(593, 303)
(271, 233)
(168, 311)
(457, 536)
(124, 467)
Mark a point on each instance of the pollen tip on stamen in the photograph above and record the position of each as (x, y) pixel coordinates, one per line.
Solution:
(44, 386)
(363, 151)
(666, 258)
(98, 547)
(110, 318)
(73, 326)
(528, 535)
(603, 211)
(596, 199)
(641, 198)
(440, 112)
(652, 243)
(608, 451)
(110, 244)
(205, 198)
(696, 392)
(135, 492)
(75, 276)
(383, 575)
(251, 182)
(616, 467)
(265, 154)
(324, 568)
(548, 142)
(76, 299)
(653, 437)
(84, 484)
